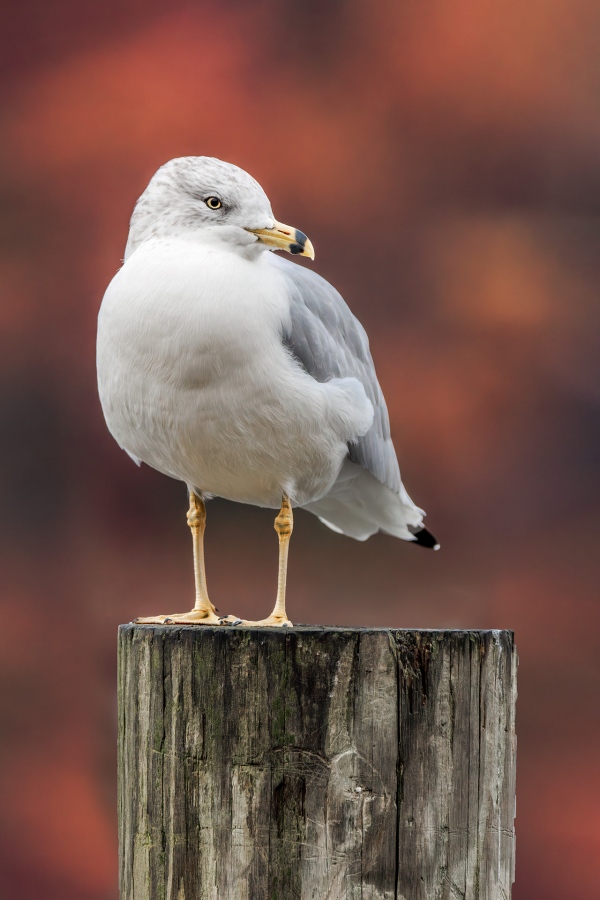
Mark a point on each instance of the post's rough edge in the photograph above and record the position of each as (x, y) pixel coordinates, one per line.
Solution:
(316, 629)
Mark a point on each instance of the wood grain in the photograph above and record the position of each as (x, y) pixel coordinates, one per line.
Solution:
(316, 763)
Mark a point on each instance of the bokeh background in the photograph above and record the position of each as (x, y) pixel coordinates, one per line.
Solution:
(444, 158)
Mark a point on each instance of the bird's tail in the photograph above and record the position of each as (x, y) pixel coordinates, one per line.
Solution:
(359, 505)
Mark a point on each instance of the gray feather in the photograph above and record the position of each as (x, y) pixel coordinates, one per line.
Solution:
(329, 342)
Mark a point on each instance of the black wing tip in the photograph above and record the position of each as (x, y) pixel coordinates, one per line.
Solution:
(425, 538)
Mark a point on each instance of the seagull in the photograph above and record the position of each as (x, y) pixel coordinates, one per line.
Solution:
(243, 374)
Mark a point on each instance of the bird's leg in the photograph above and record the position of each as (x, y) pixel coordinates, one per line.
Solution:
(203, 613)
(284, 524)
(196, 519)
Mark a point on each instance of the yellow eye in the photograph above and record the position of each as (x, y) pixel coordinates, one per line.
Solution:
(213, 203)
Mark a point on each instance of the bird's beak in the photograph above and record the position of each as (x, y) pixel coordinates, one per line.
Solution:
(284, 237)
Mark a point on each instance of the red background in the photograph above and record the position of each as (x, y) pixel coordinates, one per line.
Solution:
(444, 158)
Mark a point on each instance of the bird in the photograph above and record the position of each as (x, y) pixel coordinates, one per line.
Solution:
(243, 374)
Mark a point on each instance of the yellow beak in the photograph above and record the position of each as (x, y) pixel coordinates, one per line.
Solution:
(284, 237)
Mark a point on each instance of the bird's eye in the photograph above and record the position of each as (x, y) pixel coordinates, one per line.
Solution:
(213, 203)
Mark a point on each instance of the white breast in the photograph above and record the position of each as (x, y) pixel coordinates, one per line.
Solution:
(194, 379)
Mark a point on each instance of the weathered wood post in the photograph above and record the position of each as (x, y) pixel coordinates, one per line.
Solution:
(316, 763)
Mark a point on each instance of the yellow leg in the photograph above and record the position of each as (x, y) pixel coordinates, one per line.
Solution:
(203, 613)
(284, 525)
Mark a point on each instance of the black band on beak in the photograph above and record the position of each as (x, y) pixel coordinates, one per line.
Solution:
(299, 244)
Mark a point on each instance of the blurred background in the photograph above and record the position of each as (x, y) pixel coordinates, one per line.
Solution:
(444, 159)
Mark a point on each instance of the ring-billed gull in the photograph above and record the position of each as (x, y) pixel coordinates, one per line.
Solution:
(241, 373)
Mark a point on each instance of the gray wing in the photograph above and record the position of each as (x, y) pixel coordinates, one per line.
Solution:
(330, 342)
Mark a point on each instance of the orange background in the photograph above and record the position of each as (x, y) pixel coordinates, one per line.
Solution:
(444, 158)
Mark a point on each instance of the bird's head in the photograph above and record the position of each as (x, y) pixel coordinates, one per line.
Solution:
(199, 197)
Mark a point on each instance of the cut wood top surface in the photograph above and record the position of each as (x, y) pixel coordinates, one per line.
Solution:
(317, 629)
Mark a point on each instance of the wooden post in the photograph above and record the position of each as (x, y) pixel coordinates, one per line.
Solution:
(316, 763)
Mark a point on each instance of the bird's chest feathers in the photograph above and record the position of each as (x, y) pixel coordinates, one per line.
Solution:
(191, 316)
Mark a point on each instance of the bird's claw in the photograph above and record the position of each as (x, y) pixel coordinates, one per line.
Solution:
(272, 621)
